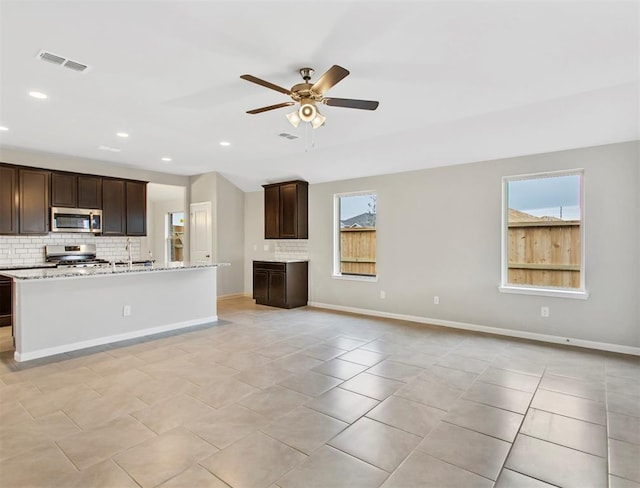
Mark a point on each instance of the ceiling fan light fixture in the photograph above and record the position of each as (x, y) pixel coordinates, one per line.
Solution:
(318, 120)
(294, 118)
(307, 110)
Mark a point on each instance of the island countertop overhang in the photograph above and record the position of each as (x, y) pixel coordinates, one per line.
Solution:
(100, 271)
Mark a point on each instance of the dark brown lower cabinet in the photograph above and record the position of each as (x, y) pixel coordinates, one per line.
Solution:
(6, 298)
(281, 284)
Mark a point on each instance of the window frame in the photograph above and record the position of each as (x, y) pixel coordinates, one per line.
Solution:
(336, 273)
(548, 291)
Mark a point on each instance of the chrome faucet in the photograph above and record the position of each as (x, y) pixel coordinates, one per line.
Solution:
(128, 248)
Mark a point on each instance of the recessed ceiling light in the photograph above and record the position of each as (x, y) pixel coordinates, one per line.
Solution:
(122, 134)
(225, 143)
(165, 159)
(109, 148)
(37, 94)
(3, 128)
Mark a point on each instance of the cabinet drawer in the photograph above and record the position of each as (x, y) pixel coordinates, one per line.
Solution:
(269, 266)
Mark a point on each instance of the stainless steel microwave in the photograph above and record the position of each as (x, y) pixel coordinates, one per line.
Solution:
(76, 220)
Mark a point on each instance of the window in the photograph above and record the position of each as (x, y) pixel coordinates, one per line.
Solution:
(355, 235)
(543, 234)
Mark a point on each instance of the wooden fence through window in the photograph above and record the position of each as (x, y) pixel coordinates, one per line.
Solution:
(545, 253)
(358, 251)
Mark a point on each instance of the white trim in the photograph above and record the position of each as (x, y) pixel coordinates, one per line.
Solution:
(545, 292)
(52, 351)
(231, 296)
(568, 341)
(348, 277)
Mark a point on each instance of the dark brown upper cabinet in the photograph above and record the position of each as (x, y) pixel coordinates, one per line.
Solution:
(64, 190)
(74, 190)
(136, 208)
(124, 207)
(8, 200)
(33, 197)
(89, 191)
(286, 210)
(113, 207)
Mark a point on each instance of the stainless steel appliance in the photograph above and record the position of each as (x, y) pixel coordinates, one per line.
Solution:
(76, 220)
(82, 255)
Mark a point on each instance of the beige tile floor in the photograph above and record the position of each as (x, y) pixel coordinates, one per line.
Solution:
(308, 398)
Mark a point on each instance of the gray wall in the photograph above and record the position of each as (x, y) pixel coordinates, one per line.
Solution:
(227, 227)
(230, 237)
(439, 234)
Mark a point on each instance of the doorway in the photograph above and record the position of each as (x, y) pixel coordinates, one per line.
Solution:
(166, 204)
(175, 237)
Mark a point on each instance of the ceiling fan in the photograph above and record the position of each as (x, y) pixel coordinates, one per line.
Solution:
(308, 95)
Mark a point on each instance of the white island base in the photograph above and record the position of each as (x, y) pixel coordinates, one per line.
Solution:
(57, 315)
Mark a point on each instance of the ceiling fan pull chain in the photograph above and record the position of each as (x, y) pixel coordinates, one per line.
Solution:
(306, 137)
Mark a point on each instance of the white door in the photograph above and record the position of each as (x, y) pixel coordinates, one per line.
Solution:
(201, 251)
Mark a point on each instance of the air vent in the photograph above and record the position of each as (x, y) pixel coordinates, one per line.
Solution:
(52, 58)
(286, 135)
(75, 66)
(61, 61)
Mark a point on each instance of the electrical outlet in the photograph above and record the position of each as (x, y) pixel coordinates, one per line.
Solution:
(126, 310)
(436, 300)
(544, 312)
(255, 247)
(383, 294)
(266, 247)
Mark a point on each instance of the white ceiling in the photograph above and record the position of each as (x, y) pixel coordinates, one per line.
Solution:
(457, 82)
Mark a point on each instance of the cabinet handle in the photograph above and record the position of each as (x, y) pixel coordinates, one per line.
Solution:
(207, 256)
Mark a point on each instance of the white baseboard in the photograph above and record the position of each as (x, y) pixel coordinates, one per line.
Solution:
(231, 296)
(568, 341)
(52, 351)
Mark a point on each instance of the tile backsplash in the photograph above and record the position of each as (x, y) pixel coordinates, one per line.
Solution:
(291, 249)
(25, 250)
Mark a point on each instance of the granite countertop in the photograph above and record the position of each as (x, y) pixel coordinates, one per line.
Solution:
(58, 273)
(27, 266)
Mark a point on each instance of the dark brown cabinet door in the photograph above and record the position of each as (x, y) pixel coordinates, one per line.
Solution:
(272, 212)
(136, 192)
(113, 207)
(6, 299)
(277, 288)
(261, 285)
(64, 190)
(89, 191)
(34, 201)
(8, 200)
(289, 211)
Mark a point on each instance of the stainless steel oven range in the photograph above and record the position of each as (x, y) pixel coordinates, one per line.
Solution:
(82, 255)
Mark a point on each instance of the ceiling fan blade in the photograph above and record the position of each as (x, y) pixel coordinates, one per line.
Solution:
(270, 107)
(331, 77)
(258, 81)
(350, 103)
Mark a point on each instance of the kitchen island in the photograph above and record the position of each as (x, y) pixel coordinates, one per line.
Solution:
(60, 310)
